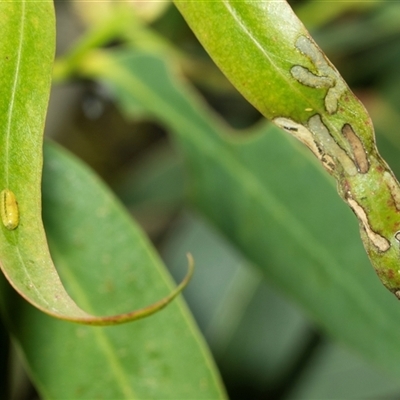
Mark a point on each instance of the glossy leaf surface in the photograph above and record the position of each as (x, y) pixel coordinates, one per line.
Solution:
(272, 59)
(27, 45)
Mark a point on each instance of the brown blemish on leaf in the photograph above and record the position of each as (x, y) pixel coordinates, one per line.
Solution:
(300, 132)
(357, 148)
(380, 242)
(329, 145)
(326, 76)
(307, 78)
(393, 186)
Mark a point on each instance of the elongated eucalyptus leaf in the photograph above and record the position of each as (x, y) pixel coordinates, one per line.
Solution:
(27, 48)
(273, 201)
(271, 58)
(107, 265)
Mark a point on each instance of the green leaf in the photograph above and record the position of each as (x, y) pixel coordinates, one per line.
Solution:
(27, 46)
(284, 73)
(287, 220)
(107, 264)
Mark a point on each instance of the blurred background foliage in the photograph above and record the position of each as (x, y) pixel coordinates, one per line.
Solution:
(265, 345)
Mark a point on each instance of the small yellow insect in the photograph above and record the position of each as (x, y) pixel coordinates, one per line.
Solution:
(9, 209)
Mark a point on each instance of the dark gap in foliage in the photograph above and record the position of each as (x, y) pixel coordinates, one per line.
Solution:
(98, 134)
(240, 388)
